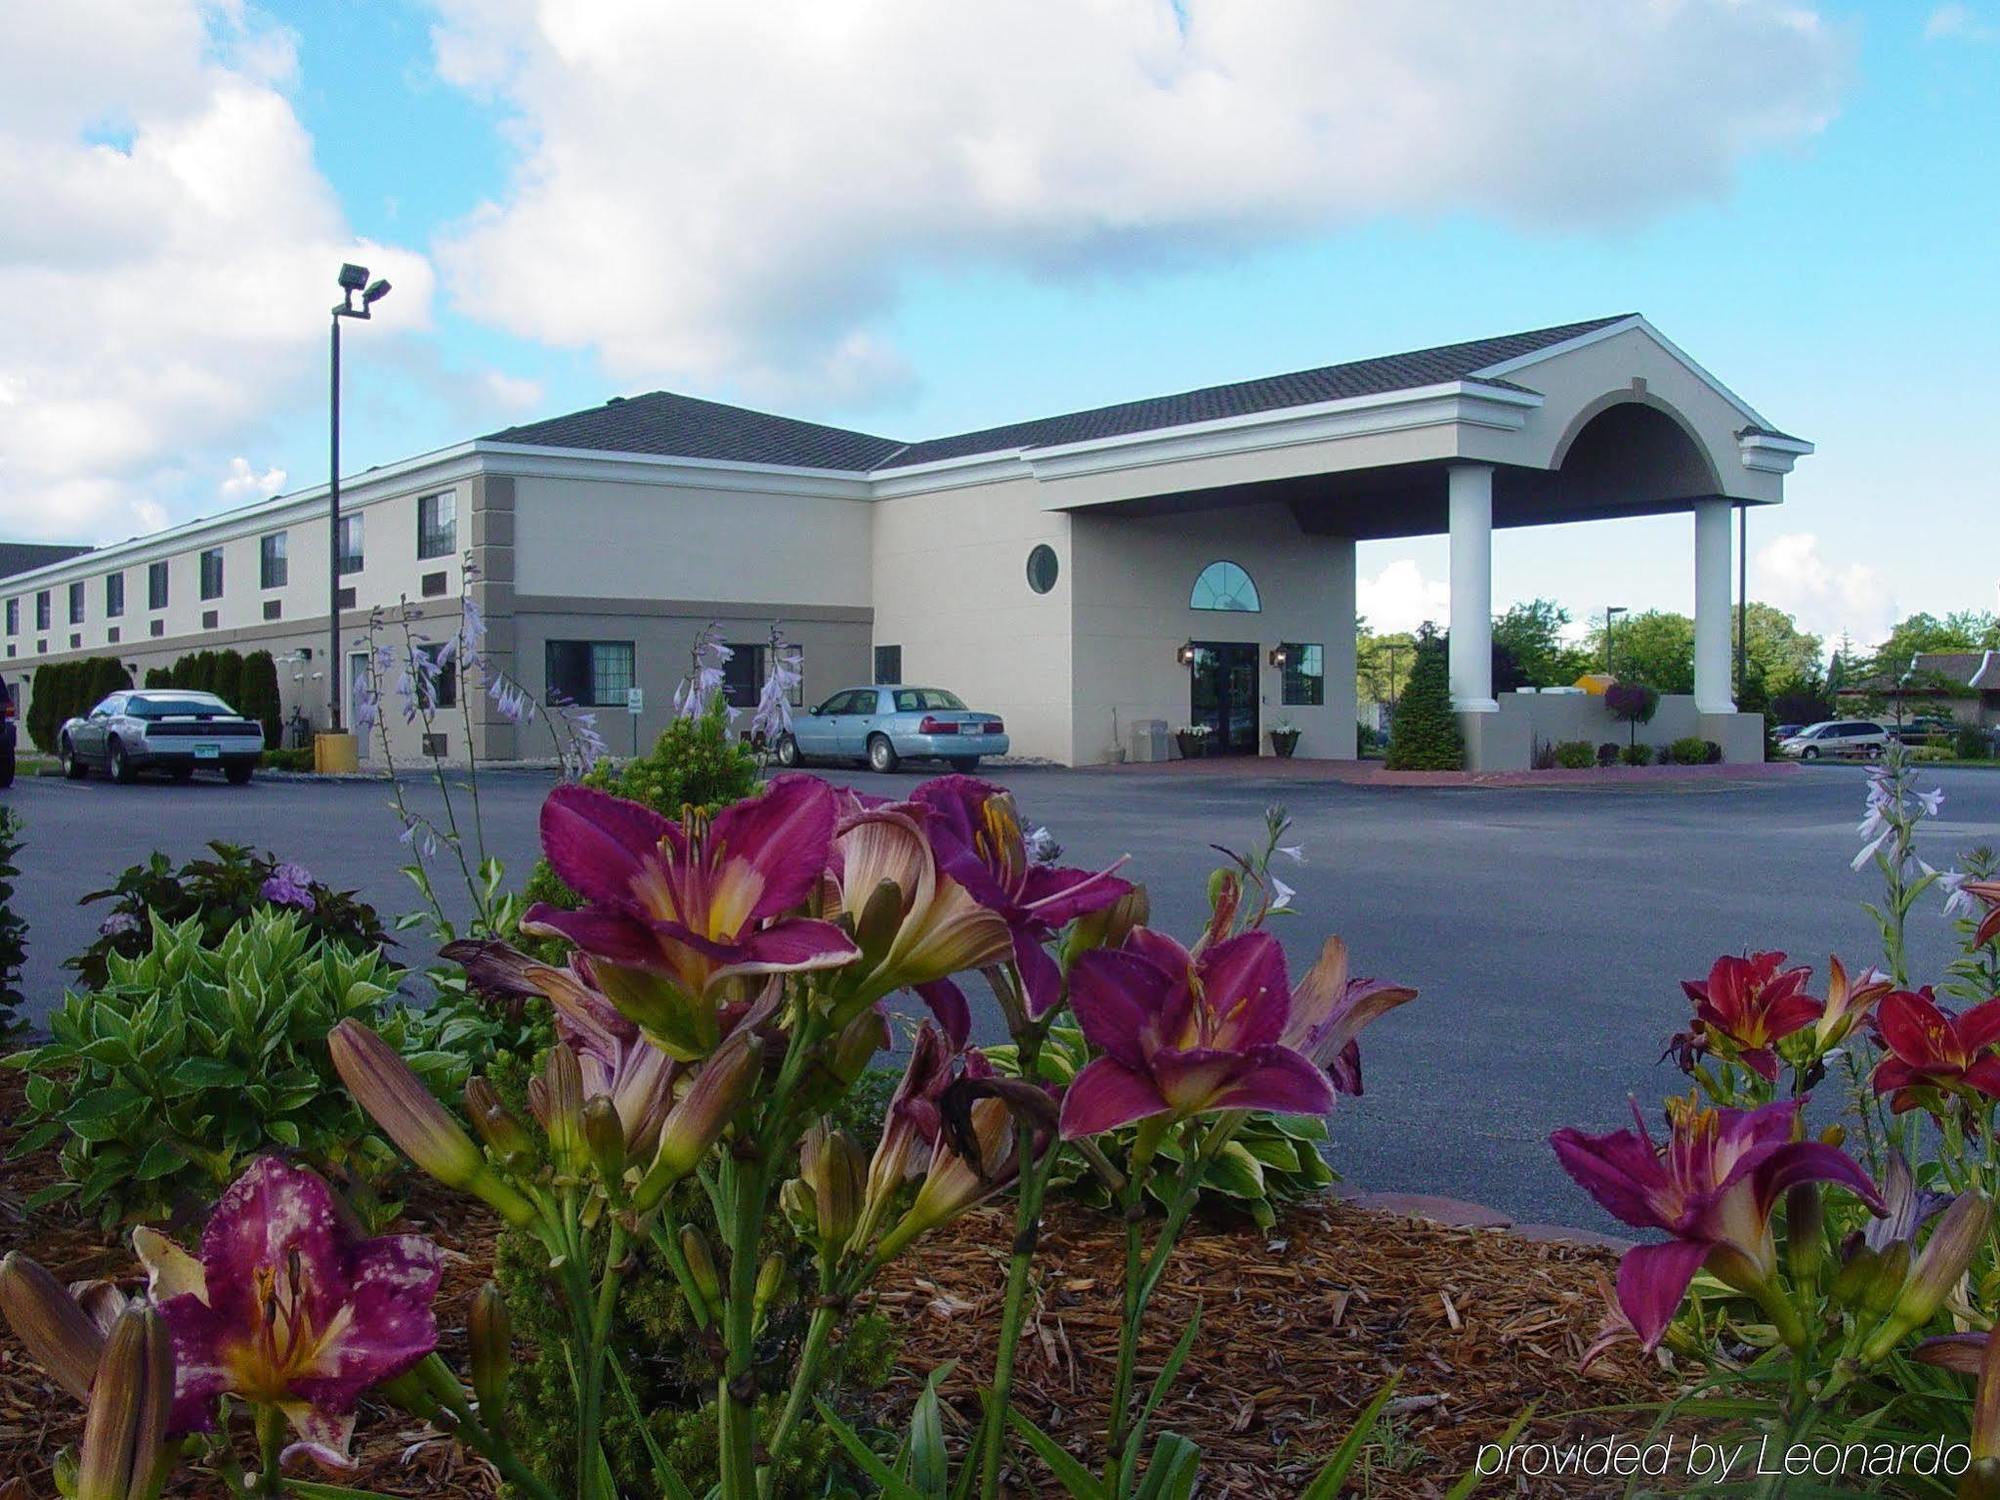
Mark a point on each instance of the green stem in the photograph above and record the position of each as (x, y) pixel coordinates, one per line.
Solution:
(736, 1393)
(596, 1351)
(1027, 1228)
(490, 1446)
(819, 1335)
(270, 1451)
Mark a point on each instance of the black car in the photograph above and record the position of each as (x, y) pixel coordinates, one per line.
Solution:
(161, 729)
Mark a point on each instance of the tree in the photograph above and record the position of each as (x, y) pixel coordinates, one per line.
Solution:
(1382, 663)
(226, 681)
(1776, 649)
(1528, 638)
(260, 693)
(1424, 735)
(1633, 702)
(1656, 648)
(1961, 630)
(107, 676)
(159, 677)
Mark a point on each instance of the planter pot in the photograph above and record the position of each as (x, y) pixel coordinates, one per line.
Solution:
(1284, 744)
(1193, 746)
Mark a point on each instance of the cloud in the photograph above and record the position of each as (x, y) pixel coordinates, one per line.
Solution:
(1400, 597)
(1824, 598)
(244, 484)
(1958, 23)
(741, 191)
(167, 241)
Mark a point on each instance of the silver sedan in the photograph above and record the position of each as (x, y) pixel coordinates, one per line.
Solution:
(161, 729)
(886, 725)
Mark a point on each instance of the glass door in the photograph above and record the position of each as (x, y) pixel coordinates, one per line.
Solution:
(1222, 694)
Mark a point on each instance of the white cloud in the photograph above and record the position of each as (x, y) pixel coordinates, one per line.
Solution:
(168, 244)
(1400, 597)
(1958, 23)
(729, 190)
(511, 393)
(243, 484)
(1825, 598)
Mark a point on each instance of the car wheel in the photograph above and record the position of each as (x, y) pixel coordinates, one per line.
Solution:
(788, 751)
(73, 769)
(238, 775)
(1875, 752)
(119, 765)
(1811, 752)
(7, 767)
(881, 754)
(964, 764)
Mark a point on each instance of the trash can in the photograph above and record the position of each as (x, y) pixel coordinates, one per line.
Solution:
(1149, 740)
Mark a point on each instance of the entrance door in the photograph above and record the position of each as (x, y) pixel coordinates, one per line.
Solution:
(1222, 693)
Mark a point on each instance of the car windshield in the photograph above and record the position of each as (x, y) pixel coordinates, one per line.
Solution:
(920, 700)
(183, 704)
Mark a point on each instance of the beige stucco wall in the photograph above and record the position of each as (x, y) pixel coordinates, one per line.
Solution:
(606, 539)
(951, 588)
(1133, 580)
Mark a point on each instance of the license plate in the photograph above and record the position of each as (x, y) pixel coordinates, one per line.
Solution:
(208, 752)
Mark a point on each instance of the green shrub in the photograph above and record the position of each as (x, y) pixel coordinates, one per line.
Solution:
(219, 893)
(228, 680)
(159, 677)
(1274, 1160)
(13, 927)
(287, 760)
(193, 1058)
(1636, 755)
(65, 690)
(1971, 742)
(1692, 750)
(1425, 735)
(1576, 755)
(694, 763)
(1607, 752)
(260, 694)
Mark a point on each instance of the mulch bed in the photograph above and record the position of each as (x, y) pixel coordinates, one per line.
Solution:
(1300, 1328)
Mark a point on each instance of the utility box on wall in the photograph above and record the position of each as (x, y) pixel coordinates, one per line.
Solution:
(1148, 740)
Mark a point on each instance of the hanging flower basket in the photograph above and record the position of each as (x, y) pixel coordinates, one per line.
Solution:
(1193, 740)
(1284, 739)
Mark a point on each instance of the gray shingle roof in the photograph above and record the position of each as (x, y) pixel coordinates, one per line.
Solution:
(25, 557)
(686, 427)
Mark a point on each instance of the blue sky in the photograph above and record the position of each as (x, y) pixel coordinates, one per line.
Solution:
(770, 204)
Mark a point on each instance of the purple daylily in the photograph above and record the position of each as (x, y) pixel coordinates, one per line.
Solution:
(1329, 1010)
(287, 1306)
(677, 909)
(977, 833)
(1182, 1035)
(1711, 1186)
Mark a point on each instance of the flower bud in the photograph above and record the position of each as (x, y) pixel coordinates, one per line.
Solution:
(396, 1099)
(491, 1336)
(795, 1201)
(131, 1396)
(770, 1280)
(504, 1135)
(1892, 1269)
(832, 1165)
(855, 1047)
(1805, 1233)
(1946, 1254)
(699, 1116)
(561, 1108)
(604, 1135)
(701, 1264)
(57, 1334)
(1834, 1135)
(880, 920)
(1108, 927)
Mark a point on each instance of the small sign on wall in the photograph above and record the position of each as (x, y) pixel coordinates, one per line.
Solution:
(635, 700)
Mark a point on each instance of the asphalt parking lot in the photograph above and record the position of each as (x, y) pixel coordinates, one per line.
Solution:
(1547, 928)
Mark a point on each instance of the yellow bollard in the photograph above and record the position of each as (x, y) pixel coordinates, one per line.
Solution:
(335, 755)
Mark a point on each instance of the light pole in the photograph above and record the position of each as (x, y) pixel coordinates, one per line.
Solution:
(353, 281)
(1611, 612)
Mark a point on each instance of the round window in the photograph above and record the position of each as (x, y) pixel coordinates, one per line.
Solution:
(1042, 568)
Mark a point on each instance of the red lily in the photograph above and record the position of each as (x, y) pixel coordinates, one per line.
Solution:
(1931, 1050)
(676, 909)
(1987, 891)
(1329, 1009)
(1711, 1186)
(1746, 1005)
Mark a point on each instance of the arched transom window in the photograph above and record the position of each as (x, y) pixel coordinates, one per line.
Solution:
(1223, 585)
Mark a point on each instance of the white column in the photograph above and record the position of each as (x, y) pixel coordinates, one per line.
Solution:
(1470, 488)
(1712, 693)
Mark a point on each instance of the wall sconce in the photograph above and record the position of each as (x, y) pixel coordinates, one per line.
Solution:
(1279, 656)
(1185, 654)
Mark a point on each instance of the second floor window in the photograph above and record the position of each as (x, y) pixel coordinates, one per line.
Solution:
(272, 569)
(437, 524)
(42, 610)
(13, 617)
(156, 585)
(211, 573)
(76, 602)
(114, 595)
(352, 537)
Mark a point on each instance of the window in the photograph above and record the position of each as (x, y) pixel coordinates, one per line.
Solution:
(352, 536)
(1224, 586)
(437, 524)
(743, 676)
(42, 610)
(926, 700)
(274, 609)
(434, 585)
(854, 701)
(888, 663)
(211, 573)
(13, 617)
(273, 569)
(114, 595)
(156, 585)
(1042, 568)
(594, 674)
(1305, 673)
(157, 627)
(439, 685)
(76, 602)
